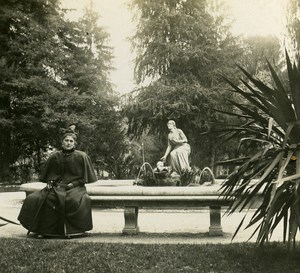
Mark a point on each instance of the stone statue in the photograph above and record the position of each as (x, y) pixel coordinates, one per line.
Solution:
(178, 149)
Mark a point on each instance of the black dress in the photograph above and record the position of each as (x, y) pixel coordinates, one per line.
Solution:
(60, 210)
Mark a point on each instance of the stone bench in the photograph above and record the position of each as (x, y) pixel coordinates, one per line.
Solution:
(132, 198)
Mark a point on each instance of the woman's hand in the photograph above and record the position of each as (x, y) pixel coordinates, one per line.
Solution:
(177, 141)
(50, 184)
(163, 159)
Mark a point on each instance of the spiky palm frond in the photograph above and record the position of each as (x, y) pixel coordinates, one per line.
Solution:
(272, 115)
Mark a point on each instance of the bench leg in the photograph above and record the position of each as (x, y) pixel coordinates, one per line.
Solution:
(131, 220)
(215, 228)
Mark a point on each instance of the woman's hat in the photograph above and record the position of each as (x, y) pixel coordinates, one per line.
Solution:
(70, 131)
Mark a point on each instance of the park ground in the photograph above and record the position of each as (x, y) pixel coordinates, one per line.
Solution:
(156, 226)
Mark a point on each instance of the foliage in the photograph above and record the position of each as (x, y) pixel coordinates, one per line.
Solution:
(54, 72)
(188, 177)
(147, 177)
(119, 157)
(181, 49)
(156, 103)
(176, 38)
(259, 49)
(292, 38)
(271, 118)
(23, 255)
(19, 90)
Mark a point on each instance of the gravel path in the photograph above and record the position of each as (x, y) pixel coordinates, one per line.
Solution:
(162, 227)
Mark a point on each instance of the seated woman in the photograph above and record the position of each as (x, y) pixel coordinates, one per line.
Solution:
(63, 207)
(178, 148)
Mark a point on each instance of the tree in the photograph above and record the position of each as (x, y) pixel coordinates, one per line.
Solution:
(55, 72)
(261, 48)
(181, 49)
(181, 38)
(24, 44)
(293, 27)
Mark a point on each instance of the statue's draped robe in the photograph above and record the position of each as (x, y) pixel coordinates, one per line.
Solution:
(61, 211)
(179, 155)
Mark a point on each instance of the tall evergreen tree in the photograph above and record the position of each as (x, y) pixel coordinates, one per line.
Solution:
(53, 72)
(29, 42)
(181, 50)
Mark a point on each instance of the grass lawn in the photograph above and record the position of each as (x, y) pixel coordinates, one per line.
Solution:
(63, 256)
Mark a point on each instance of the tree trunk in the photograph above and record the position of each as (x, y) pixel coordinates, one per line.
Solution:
(4, 156)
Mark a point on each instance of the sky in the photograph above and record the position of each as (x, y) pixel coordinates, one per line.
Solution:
(250, 17)
(116, 19)
(261, 17)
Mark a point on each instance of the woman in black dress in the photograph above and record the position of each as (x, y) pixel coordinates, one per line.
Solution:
(63, 207)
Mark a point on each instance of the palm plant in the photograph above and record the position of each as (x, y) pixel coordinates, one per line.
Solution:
(272, 116)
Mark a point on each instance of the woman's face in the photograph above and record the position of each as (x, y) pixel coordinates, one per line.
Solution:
(170, 125)
(68, 143)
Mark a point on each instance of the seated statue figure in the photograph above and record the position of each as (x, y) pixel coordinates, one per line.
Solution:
(178, 149)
